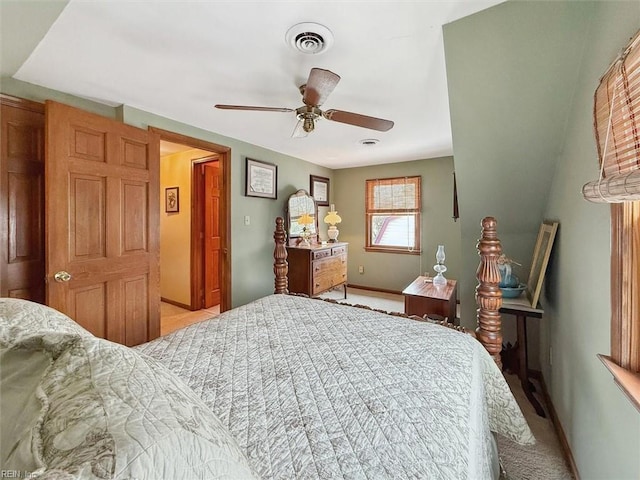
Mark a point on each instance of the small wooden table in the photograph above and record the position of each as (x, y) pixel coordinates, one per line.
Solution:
(422, 297)
(521, 308)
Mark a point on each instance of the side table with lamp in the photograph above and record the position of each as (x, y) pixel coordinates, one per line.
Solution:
(432, 296)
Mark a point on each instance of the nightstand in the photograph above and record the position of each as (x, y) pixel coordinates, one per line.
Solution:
(422, 297)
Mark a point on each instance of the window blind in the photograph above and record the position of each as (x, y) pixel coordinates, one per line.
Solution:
(616, 116)
(392, 210)
(393, 194)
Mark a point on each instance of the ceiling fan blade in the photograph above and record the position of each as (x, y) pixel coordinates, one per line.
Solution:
(359, 120)
(258, 109)
(298, 131)
(319, 85)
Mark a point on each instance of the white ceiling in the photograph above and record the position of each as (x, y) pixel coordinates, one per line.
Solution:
(177, 59)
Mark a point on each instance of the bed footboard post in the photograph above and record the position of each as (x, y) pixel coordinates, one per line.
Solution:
(280, 264)
(488, 293)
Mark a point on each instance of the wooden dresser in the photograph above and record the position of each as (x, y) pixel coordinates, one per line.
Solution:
(318, 268)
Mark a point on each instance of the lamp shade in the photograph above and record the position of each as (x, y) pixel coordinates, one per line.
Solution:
(305, 219)
(332, 218)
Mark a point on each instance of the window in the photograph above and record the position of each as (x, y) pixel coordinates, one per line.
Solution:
(393, 215)
(617, 129)
(624, 362)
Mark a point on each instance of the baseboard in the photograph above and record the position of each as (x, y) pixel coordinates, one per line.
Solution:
(374, 289)
(564, 444)
(177, 304)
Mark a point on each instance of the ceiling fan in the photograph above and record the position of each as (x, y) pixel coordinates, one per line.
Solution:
(318, 87)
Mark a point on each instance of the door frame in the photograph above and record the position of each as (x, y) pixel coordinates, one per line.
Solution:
(224, 157)
(34, 288)
(197, 241)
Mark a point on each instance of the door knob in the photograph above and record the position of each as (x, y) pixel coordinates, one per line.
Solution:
(62, 276)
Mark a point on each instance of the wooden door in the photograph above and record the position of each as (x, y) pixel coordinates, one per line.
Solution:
(22, 199)
(211, 233)
(102, 222)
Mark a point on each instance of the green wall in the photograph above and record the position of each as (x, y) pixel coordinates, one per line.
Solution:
(602, 426)
(510, 76)
(521, 78)
(251, 246)
(392, 271)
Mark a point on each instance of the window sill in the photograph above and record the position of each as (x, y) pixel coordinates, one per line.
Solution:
(628, 381)
(401, 250)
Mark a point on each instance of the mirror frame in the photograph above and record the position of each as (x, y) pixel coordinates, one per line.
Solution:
(541, 254)
(302, 193)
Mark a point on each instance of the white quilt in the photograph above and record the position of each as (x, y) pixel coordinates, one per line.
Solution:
(311, 389)
(74, 406)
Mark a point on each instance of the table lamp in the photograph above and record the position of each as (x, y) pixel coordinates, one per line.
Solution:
(439, 279)
(305, 219)
(332, 219)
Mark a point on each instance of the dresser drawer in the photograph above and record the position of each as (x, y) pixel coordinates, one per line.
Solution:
(328, 280)
(318, 254)
(342, 249)
(328, 273)
(330, 264)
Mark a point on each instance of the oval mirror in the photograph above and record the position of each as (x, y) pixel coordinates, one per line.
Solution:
(302, 212)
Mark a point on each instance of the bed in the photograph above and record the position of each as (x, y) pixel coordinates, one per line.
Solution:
(283, 387)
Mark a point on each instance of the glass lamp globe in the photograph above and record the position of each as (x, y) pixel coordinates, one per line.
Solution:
(439, 279)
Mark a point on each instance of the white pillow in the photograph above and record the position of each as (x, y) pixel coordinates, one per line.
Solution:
(105, 411)
(29, 324)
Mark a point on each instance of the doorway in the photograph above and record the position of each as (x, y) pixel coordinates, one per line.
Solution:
(205, 231)
(23, 269)
(194, 245)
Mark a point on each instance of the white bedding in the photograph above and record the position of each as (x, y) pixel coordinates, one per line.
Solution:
(311, 389)
(74, 406)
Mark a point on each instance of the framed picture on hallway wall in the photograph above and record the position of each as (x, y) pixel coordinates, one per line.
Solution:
(172, 200)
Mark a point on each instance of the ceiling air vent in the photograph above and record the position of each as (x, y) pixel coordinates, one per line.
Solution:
(309, 38)
(369, 142)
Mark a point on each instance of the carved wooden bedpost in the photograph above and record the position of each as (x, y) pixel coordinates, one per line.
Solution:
(280, 265)
(488, 293)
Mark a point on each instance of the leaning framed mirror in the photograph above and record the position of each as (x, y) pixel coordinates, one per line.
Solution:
(541, 254)
(302, 216)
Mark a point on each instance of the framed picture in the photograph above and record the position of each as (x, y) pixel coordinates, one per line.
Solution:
(541, 254)
(320, 190)
(262, 179)
(172, 199)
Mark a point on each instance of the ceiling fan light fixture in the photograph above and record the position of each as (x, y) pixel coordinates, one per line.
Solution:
(308, 114)
(308, 125)
(309, 38)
